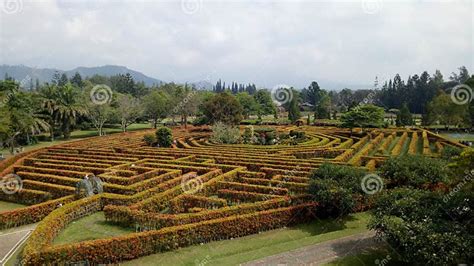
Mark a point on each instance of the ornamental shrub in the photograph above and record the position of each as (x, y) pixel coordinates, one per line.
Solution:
(425, 226)
(149, 139)
(333, 200)
(225, 134)
(297, 133)
(164, 137)
(449, 152)
(414, 171)
(346, 176)
(247, 135)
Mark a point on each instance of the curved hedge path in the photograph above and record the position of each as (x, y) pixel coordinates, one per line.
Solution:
(192, 193)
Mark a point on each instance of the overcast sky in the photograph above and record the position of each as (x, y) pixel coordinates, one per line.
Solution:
(266, 42)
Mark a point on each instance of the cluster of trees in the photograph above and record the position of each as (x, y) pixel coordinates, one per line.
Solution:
(64, 104)
(423, 210)
(234, 87)
(425, 94)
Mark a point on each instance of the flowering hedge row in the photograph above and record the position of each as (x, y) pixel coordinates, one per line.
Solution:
(283, 183)
(295, 172)
(346, 144)
(44, 234)
(252, 188)
(413, 144)
(31, 214)
(359, 144)
(325, 153)
(49, 171)
(47, 178)
(345, 156)
(152, 221)
(237, 197)
(399, 146)
(56, 191)
(185, 202)
(385, 145)
(117, 249)
(143, 185)
(160, 201)
(357, 159)
(371, 165)
(291, 178)
(26, 196)
(426, 144)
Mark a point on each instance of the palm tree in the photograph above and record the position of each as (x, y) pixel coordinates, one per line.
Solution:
(67, 108)
(48, 104)
(21, 116)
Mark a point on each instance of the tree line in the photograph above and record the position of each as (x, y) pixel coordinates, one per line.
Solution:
(66, 103)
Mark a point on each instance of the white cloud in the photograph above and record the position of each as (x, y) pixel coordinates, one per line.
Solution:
(290, 42)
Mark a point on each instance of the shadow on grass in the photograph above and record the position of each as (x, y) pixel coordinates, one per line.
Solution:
(368, 251)
(326, 225)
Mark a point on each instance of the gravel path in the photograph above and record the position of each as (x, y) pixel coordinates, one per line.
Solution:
(320, 253)
(10, 240)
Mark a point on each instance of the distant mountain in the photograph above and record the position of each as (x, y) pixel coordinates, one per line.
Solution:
(23, 73)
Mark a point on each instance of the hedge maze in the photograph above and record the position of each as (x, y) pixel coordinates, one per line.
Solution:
(193, 193)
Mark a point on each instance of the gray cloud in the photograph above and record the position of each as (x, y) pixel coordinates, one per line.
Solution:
(291, 42)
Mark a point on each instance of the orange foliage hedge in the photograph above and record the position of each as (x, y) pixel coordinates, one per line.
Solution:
(117, 249)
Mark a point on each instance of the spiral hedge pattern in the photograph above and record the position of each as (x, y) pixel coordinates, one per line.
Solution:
(194, 192)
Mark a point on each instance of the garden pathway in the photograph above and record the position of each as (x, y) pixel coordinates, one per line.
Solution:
(320, 253)
(12, 239)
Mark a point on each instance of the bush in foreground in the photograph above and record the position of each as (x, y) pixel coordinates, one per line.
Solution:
(414, 171)
(336, 189)
(426, 226)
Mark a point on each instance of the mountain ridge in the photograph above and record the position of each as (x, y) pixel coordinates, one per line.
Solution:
(22, 73)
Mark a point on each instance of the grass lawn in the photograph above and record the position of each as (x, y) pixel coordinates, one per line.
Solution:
(240, 250)
(7, 206)
(458, 136)
(379, 256)
(88, 228)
